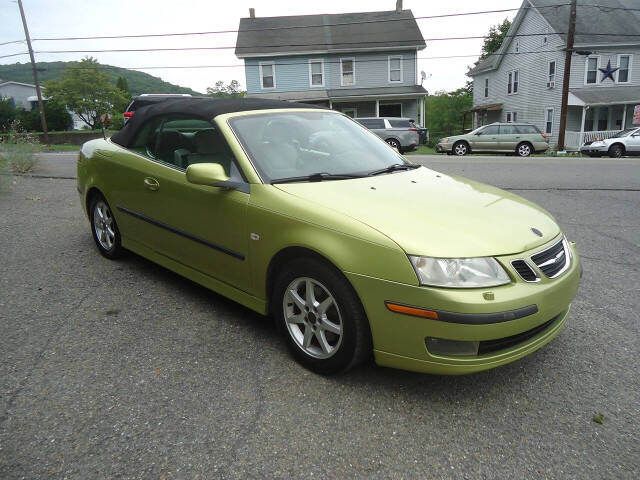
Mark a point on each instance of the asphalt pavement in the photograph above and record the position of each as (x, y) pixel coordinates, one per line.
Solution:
(122, 369)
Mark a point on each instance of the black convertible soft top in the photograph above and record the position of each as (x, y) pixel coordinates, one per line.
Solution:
(198, 107)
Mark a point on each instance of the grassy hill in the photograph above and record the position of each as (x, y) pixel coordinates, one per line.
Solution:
(139, 82)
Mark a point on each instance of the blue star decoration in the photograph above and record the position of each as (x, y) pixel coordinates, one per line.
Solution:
(608, 72)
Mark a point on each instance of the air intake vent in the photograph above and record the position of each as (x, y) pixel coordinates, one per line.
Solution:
(524, 270)
(552, 261)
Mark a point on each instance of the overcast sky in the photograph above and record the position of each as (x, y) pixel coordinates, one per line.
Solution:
(64, 18)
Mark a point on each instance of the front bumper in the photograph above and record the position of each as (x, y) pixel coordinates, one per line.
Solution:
(591, 149)
(400, 340)
(443, 147)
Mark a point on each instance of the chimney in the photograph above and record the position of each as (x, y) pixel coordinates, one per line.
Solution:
(398, 6)
(252, 12)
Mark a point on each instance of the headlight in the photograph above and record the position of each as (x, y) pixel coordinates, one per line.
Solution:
(444, 140)
(459, 272)
(598, 144)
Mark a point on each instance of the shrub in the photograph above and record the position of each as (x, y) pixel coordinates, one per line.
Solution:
(18, 149)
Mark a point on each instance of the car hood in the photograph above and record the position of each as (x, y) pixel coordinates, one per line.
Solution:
(433, 214)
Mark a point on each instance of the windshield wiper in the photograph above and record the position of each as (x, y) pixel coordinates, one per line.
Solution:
(394, 168)
(317, 177)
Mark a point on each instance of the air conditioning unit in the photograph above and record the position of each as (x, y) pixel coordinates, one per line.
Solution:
(551, 84)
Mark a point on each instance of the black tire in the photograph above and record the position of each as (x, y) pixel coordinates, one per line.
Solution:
(616, 151)
(354, 345)
(524, 149)
(460, 149)
(394, 143)
(109, 244)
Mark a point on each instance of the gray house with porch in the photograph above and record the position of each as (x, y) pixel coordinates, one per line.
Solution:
(522, 81)
(362, 64)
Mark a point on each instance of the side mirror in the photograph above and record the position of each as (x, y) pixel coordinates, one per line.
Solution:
(210, 174)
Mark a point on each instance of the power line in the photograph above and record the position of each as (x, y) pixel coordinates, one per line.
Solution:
(335, 62)
(604, 8)
(410, 43)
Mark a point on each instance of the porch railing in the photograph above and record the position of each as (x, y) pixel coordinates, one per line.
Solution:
(574, 140)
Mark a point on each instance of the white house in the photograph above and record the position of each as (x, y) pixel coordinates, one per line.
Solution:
(522, 81)
(24, 95)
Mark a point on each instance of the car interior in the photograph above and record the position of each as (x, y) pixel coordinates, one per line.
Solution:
(183, 141)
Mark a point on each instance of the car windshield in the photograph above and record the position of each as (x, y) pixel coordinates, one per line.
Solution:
(625, 133)
(473, 132)
(286, 145)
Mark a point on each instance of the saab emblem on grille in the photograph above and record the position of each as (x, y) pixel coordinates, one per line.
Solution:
(536, 231)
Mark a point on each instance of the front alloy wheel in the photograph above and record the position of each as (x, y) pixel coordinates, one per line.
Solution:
(460, 149)
(312, 317)
(320, 317)
(616, 151)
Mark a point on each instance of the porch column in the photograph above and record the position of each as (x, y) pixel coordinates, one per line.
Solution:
(330, 104)
(584, 115)
(377, 108)
(610, 117)
(422, 119)
(624, 117)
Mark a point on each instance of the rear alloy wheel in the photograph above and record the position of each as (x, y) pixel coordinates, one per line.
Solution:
(320, 317)
(394, 143)
(104, 228)
(460, 149)
(524, 149)
(616, 151)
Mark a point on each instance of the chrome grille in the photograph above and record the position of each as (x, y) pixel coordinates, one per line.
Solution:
(554, 260)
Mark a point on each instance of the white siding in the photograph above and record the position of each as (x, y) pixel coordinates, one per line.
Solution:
(533, 97)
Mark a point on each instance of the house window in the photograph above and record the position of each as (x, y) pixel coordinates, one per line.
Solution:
(512, 83)
(395, 69)
(268, 75)
(591, 70)
(624, 68)
(486, 87)
(316, 73)
(548, 127)
(390, 110)
(551, 78)
(512, 117)
(347, 71)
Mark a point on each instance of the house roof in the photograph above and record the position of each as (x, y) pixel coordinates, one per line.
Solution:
(604, 95)
(589, 21)
(269, 36)
(342, 93)
(16, 83)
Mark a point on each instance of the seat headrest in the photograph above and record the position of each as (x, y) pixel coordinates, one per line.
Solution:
(209, 142)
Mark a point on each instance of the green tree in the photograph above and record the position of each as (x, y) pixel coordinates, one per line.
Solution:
(445, 112)
(233, 89)
(58, 118)
(87, 91)
(494, 38)
(122, 84)
(7, 113)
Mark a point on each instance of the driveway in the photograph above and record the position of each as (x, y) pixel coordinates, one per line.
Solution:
(122, 369)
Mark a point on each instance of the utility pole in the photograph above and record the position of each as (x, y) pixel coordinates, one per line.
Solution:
(35, 75)
(566, 75)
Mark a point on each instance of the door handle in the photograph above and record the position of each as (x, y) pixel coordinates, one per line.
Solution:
(151, 184)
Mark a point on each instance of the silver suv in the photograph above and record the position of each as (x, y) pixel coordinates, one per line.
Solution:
(519, 138)
(401, 133)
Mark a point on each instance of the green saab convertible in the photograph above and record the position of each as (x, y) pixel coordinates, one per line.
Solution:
(301, 213)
